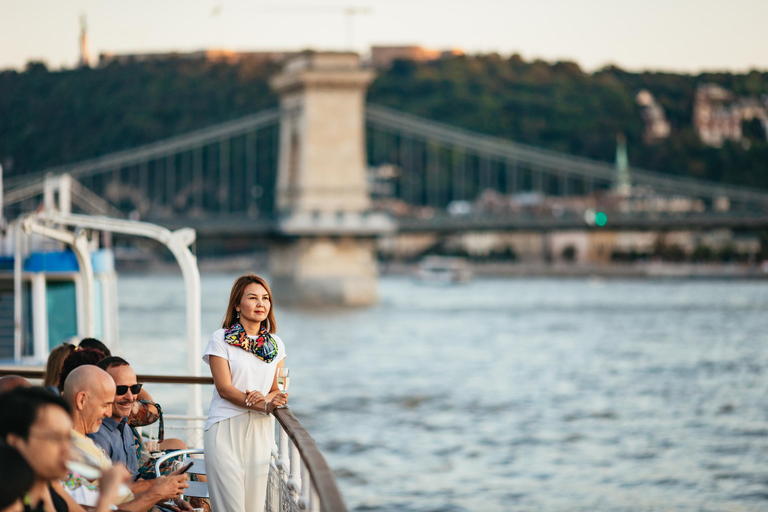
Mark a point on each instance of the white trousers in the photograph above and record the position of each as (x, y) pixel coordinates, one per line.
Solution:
(237, 455)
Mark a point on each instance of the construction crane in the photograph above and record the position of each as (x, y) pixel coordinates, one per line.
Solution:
(349, 15)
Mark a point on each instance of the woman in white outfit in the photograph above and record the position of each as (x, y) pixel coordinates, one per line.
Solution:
(244, 356)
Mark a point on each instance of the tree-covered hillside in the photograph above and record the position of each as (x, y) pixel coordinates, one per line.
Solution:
(558, 106)
(50, 118)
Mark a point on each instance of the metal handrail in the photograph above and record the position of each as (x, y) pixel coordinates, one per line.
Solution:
(35, 373)
(51, 223)
(321, 475)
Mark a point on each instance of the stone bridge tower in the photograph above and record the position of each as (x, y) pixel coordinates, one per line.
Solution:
(326, 254)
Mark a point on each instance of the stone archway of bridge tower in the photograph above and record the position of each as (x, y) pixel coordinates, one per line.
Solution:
(326, 253)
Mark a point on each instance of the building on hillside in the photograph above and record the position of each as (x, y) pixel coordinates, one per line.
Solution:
(656, 126)
(382, 57)
(718, 114)
(213, 55)
(713, 118)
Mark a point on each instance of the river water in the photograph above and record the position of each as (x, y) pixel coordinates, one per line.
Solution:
(513, 394)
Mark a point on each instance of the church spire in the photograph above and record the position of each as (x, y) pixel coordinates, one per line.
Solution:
(622, 185)
(85, 57)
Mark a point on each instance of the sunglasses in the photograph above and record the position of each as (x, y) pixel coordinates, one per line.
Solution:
(121, 390)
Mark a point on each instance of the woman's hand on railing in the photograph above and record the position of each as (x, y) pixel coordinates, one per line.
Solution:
(256, 401)
(251, 397)
(278, 400)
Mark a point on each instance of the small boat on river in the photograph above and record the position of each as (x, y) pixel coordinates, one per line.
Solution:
(443, 270)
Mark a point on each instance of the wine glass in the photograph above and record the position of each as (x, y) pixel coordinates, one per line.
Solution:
(88, 467)
(283, 381)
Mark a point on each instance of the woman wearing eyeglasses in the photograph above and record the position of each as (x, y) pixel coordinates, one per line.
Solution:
(244, 356)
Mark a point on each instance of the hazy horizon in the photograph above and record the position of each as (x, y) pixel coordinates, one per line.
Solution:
(680, 36)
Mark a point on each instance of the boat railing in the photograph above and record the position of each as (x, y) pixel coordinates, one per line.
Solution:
(300, 478)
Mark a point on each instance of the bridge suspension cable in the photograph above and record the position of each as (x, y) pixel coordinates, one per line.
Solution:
(539, 161)
(231, 168)
(216, 168)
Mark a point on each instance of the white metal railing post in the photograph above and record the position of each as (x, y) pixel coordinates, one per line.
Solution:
(65, 193)
(275, 481)
(283, 464)
(18, 275)
(306, 485)
(314, 503)
(79, 243)
(294, 478)
(49, 193)
(178, 244)
(39, 310)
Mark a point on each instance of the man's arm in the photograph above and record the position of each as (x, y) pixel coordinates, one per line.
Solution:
(140, 486)
(160, 489)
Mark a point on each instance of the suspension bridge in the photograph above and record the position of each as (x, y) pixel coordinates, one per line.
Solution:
(324, 163)
(223, 178)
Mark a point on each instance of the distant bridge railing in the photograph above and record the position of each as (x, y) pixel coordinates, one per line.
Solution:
(638, 221)
(230, 169)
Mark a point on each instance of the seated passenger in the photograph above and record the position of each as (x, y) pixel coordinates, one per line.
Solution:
(90, 391)
(94, 343)
(37, 424)
(10, 382)
(110, 364)
(17, 479)
(76, 359)
(115, 435)
(53, 365)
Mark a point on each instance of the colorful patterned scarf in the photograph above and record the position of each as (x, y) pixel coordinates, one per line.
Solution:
(264, 346)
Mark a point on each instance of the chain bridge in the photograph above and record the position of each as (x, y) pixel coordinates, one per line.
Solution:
(324, 163)
(223, 179)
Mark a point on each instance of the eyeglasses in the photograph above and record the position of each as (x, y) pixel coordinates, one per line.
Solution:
(60, 439)
(121, 390)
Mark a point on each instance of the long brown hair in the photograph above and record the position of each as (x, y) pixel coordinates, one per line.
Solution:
(55, 360)
(236, 295)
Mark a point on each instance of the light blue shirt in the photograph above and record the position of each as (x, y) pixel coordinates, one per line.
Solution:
(117, 440)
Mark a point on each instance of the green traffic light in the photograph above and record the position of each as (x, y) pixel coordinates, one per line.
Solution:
(601, 219)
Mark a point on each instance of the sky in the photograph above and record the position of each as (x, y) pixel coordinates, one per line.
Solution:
(672, 35)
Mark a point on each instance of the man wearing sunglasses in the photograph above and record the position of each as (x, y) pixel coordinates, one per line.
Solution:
(90, 392)
(115, 435)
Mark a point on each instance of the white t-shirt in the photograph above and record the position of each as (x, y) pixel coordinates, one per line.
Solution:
(248, 372)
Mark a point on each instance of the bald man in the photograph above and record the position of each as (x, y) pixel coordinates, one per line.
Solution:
(10, 382)
(90, 391)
